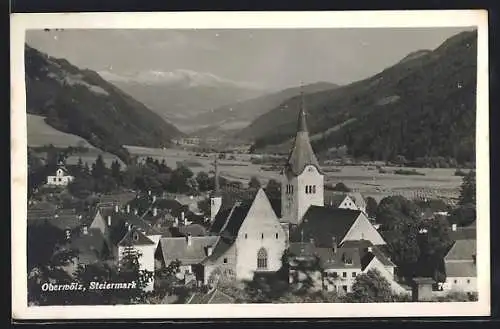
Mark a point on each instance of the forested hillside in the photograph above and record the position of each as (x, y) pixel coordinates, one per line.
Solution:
(80, 102)
(423, 106)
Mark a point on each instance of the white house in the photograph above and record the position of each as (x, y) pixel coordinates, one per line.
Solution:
(61, 177)
(460, 267)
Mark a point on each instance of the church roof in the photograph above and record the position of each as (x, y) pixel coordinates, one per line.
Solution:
(302, 153)
(178, 249)
(324, 223)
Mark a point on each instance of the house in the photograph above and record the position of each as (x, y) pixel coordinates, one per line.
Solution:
(460, 266)
(336, 268)
(61, 177)
(190, 251)
(353, 201)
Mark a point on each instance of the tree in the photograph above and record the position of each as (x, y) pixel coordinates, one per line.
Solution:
(370, 287)
(468, 189)
(371, 207)
(254, 183)
(99, 167)
(341, 187)
(393, 208)
(116, 170)
(273, 189)
(463, 216)
(203, 181)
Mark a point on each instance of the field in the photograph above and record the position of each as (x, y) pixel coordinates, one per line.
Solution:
(439, 183)
(40, 134)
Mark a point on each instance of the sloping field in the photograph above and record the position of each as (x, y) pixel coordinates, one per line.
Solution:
(40, 134)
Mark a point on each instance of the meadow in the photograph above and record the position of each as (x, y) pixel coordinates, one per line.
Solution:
(435, 183)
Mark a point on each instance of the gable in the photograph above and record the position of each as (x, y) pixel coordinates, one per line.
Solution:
(348, 203)
(261, 214)
(362, 229)
(99, 223)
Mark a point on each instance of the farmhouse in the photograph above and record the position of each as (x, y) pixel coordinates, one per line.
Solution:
(61, 177)
(460, 266)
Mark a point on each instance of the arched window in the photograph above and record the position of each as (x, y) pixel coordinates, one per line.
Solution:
(262, 259)
(314, 189)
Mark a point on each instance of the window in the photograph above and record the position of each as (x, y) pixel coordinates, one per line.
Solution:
(246, 235)
(262, 235)
(307, 189)
(276, 235)
(353, 274)
(468, 281)
(314, 189)
(262, 259)
(455, 281)
(344, 288)
(225, 260)
(344, 274)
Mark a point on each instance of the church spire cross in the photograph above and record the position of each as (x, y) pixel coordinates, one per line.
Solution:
(302, 126)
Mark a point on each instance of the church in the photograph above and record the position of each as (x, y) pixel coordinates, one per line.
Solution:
(251, 237)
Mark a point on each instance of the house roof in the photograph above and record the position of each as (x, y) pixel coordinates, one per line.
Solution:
(463, 233)
(366, 256)
(222, 245)
(302, 249)
(460, 269)
(91, 247)
(324, 223)
(117, 198)
(462, 250)
(302, 153)
(135, 237)
(214, 296)
(193, 229)
(334, 200)
(358, 199)
(343, 258)
(177, 248)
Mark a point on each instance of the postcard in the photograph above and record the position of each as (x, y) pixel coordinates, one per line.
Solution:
(281, 164)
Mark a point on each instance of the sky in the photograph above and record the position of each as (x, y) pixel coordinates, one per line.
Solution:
(273, 59)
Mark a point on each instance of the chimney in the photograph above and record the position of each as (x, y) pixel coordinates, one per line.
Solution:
(454, 227)
(136, 211)
(311, 241)
(85, 230)
(109, 220)
(116, 208)
(209, 250)
(155, 211)
(176, 222)
(334, 245)
(149, 192)
(128, 209)
(154, 198)
(189, 239)
(370, 249)
(183, 219)
(68, 234)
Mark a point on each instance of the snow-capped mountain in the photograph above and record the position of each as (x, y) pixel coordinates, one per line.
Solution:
(178, 95)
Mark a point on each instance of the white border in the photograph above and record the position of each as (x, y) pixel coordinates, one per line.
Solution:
(221, 20)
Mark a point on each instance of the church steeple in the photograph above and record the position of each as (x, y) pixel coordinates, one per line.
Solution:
(302, 153)
(302, 125)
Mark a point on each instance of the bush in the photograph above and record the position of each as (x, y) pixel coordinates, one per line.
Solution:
(341, 187)
(408, 172)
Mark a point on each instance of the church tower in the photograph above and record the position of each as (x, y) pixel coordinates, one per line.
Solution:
(302, 178)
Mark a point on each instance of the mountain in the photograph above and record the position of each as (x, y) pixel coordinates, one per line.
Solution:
(226, 120)
(81, 103)
(423, 106)
(180, 95)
